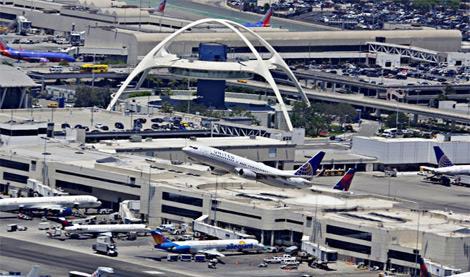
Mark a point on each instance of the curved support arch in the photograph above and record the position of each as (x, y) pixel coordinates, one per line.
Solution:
(160, 51)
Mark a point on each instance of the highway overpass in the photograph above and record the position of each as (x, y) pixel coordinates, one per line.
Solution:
(363, 101)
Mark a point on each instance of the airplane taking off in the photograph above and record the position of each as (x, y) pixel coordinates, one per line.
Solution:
(341, 187)
(54, 203)
(254, 170)
(159, 9)
(97, 229)
(445, 166)
(264, 22)
(210, 247)
(33, 56)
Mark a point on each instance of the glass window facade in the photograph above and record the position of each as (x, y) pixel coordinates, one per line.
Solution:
(169, 196)
(180, 212)
(346, 232)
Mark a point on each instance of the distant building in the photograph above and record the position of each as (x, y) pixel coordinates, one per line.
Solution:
(14, 87)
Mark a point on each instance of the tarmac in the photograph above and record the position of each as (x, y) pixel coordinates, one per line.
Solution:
(19, 251)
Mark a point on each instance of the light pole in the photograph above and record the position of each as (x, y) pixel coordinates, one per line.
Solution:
(44, 167)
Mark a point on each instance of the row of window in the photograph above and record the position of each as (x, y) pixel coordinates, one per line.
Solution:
(14, 165)
(236, 213)
(22, 133)
(74, 186)
(346, 232)
(130, 184)
(289, 221)
(182, 199)
(181, 212)
(15, 177)
(346, 245)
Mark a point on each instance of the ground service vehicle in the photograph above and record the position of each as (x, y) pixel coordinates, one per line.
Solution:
(105, 245)
(94, 68)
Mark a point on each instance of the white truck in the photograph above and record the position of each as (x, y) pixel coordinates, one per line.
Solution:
(105, 245)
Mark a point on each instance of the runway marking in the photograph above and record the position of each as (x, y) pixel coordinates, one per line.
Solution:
(153, 272)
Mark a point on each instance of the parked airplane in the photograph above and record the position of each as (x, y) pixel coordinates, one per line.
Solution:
(96, 229)
(254, 170)
(445, 166)
(33, 56)
(341, 187)
(159, 9)
(33, 273)
(210, 247)
(100, 272)
(264, 22)
(54, 203)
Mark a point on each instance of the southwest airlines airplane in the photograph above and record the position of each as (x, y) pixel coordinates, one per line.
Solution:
(264, 22)
(210, 247)
(341, 187)
(55, 203)
(445, 166)
(33, 56)
(254, 170)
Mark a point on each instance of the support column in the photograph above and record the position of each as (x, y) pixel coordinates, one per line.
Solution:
(272, 237)
(262, 236)
(415, 119)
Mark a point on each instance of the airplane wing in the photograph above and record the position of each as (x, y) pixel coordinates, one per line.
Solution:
(212, 252)
(44, 206)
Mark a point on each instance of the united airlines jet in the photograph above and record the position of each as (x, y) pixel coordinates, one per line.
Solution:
(264, 22)
(254, 170)
(33, 56)
(210, 247)
(445, 165)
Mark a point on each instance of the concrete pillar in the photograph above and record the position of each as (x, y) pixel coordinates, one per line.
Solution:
(415, 119)
(291, 236)
(333, 87)
(272, 237)
(262, 236)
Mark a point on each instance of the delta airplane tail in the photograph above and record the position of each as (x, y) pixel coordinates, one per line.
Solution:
(62, 220)
(158, 237)
(441, 158)
(423, 270)
(161, 7)
(310, 167)
(345, 183)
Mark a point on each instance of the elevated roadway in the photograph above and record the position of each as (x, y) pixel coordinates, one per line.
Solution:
(363, 101)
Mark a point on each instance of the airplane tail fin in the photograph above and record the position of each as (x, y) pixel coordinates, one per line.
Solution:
(345, 183)
(62, 220)
(3, 45)
(310, 167)
(158, 237)
(266, 20)
(441, 158)
(161, 7)
(423, 269)
(102, 271)
(34, 271)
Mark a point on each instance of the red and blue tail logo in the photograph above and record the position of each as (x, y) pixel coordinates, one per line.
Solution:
(161, 7)
(3, 46)
(423, 270)
(158, 237)
(345, 183)
(442, 159)
(266, 20)
(310, 167)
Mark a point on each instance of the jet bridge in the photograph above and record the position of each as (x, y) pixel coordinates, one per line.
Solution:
(199, 225)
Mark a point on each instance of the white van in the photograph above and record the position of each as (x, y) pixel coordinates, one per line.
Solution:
(56, 69)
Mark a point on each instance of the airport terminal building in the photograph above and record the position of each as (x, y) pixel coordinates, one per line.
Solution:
(362, 228)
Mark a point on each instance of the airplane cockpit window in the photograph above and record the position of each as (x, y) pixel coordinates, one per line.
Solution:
(193, 147)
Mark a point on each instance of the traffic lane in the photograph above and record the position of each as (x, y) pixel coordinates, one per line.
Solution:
(36, 254)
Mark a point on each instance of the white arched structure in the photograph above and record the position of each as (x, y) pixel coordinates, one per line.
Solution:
(159, 57)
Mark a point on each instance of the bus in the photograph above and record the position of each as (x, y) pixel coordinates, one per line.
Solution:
(94, 68)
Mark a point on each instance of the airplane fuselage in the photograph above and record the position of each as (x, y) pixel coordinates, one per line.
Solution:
(453, 170)
(242, 166)
(195, 246)
(36, 56)
(104, 228)
(53, 202)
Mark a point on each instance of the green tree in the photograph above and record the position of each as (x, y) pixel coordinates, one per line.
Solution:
(86, 96)
(392, 120)
(166, 107)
